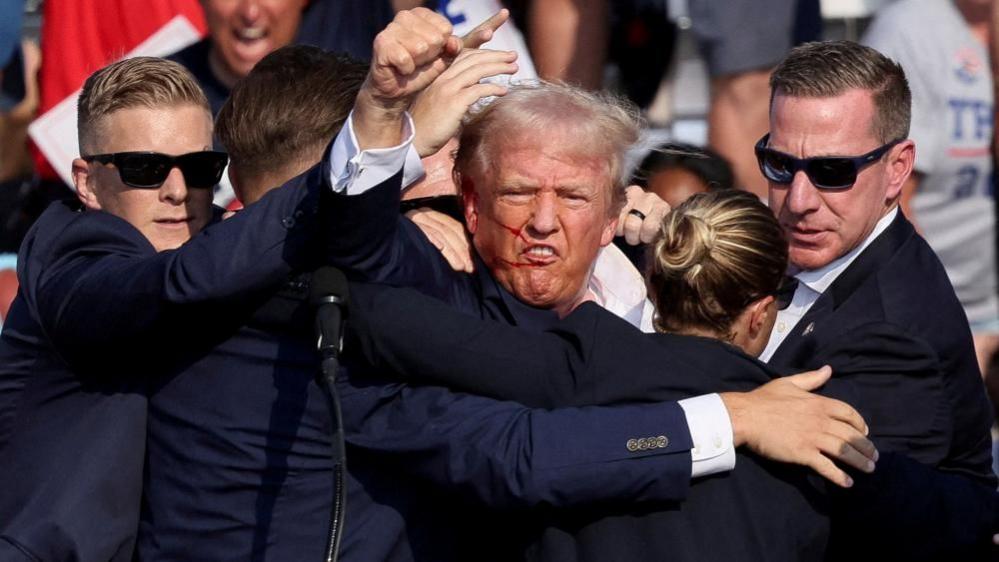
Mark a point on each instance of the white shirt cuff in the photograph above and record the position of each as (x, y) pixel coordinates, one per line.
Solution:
(353, 172)
(412, 171)
(711, 433)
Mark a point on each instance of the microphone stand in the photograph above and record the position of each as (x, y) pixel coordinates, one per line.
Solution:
(330, 353)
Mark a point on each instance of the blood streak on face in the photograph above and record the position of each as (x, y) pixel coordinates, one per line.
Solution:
(517, 233)
(561, 200)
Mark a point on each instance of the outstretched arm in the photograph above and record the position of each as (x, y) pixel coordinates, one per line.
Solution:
(104, 272)
(420, 338)
(506, 455)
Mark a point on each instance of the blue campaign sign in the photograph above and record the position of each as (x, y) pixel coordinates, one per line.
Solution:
(453, 13)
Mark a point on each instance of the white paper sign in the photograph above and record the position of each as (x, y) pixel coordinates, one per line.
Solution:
(55, 132)
(466, 14)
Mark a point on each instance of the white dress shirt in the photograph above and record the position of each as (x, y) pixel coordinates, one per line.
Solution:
(353, 172)
(617, 285)
(811, 285)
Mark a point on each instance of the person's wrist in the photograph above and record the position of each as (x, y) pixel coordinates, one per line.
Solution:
(378, 123)
(737, 406)
(384, 106)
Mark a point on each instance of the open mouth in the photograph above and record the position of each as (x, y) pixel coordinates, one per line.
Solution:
(250, 33)
(539, 255)
(252, 43)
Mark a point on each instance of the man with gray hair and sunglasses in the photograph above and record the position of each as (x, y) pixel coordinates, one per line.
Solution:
(873, 300)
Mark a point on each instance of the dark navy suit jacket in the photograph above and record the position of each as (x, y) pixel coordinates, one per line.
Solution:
(901, 352)
(759, 511)
(376, 245)
(97, 317)
(238, 461)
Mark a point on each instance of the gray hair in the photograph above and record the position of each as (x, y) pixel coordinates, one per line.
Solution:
(601, 123)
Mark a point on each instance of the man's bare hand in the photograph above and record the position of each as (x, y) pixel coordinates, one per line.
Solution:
(642, 216)
(447, 235)
(408, 56)
(485, 30)
(783, 421)
(438, 110)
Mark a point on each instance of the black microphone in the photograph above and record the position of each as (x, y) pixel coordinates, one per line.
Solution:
(328, 293)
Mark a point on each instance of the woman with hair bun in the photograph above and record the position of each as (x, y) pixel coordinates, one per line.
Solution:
(718, 270)
(717, 280)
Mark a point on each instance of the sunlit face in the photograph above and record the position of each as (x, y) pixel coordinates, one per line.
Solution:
(822, 225)
(245, 31)
(538, 216)
(169, 215)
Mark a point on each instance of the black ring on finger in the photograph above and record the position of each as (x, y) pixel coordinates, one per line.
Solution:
(637, 213)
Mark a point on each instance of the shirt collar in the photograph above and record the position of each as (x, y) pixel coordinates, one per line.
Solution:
(616, 284)
(820, 279)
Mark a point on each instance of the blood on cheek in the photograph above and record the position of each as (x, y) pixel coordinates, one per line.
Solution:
(516, 233)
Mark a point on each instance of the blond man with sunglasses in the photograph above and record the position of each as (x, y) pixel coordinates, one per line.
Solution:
(104, 308)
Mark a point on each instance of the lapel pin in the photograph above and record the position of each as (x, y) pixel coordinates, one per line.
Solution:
(809, 329)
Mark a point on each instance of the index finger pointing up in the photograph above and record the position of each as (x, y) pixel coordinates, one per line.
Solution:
(485, 30)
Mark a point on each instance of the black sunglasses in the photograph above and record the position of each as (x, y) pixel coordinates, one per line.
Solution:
(785, 292)
(825, 172)
(148, 170)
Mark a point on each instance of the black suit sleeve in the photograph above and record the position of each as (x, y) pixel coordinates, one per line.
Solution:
(103, 293)
(423, 340)
(893, 380)
(373, 243)
(897, 383)
(590, 357)
(906, 510)
(503, 454)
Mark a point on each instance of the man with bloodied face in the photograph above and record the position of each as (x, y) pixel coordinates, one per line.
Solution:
(540, 207)
(540, 173)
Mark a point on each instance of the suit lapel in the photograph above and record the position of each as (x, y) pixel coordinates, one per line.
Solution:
(799, 346)
(799, 343)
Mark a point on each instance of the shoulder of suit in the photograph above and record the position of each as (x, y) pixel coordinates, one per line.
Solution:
(915, 278)
(65, 227)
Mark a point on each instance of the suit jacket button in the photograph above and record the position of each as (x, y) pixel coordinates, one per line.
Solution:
(644, 444)
(288, 222)
(632, 445)
(662, 442)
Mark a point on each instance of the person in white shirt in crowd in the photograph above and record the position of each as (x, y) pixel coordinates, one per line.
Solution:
(950, 196)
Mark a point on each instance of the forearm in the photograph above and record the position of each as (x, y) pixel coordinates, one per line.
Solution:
(135, 293)
(423, 340)
(506, 455)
